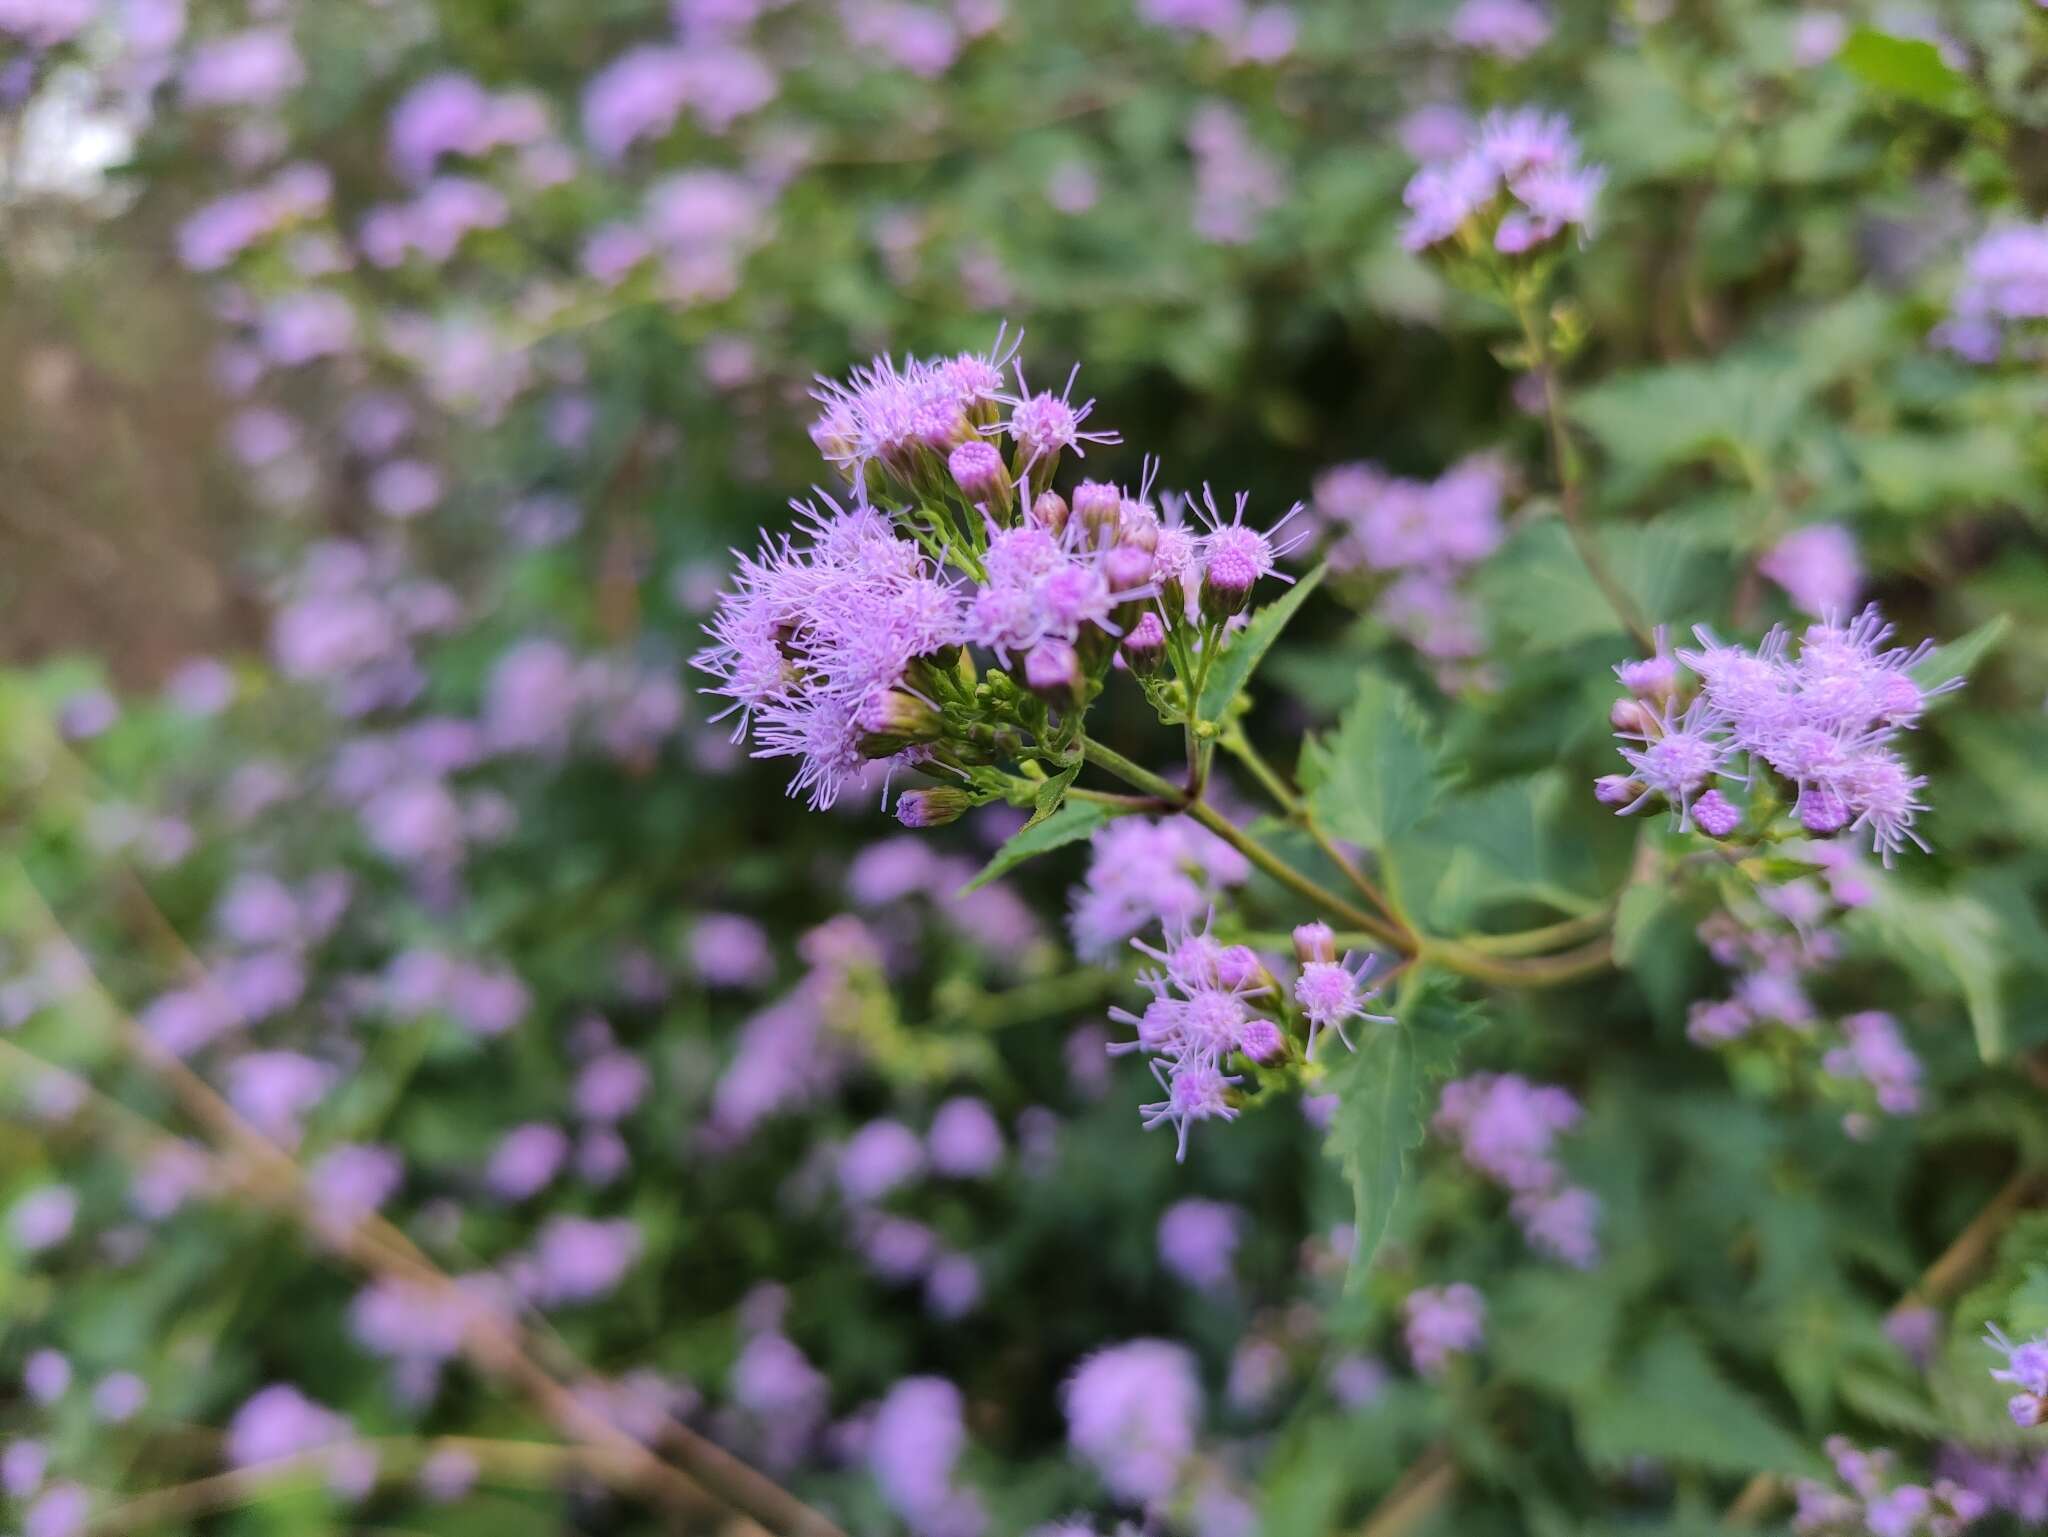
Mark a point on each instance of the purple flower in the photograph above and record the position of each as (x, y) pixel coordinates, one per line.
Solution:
(1198, 1241)
(43, 1218)
(278, 1422)
(1132, 1413)
(579, 1259)
(1442, 1323)
(1874, 1050)
(965, 1140)
(1818, 568)
(22, 1466)
(1330, 992)
(1236, 183)
(610, 1087)
(274, 1089)
(1143, 871)
(1522, 174)
(118, 1397)
(526, 1160)
(1562, 1223)
(879, 1157)
(46, 1376)
(256, 68)
(351, 1181)
(1509, 29)
(915, 1440)
(60, 1511)
(404, 1320)
(727, 950)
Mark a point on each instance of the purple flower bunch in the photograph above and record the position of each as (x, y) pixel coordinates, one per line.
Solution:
(1822, 716)
(2003, 296)
(1875, 1503)
(1517, 188)
(1147, 870)
(1419, 538)
(2026, 1368)
(846, 643)
(1133, 1411)
(1216, 1006)
(1505, 1127)
(1442, 1323)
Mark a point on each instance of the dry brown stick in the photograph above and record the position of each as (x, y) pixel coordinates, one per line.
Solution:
(496, 1345)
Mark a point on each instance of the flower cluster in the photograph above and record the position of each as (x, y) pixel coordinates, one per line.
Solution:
(1877, 1504)
(844, 644)
(1822, 716)
(2003, 296)
(1215, 1006)
(1443, 1323)
(1132, 1413)
(2026, 1368)
(1419, 538)
(1518, 187)
(1147, 870)
(1504, 1127)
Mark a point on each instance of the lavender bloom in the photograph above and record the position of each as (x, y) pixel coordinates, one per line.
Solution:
(351, 1181)
(1509, 29)
(880, 1156)
(118, 1397)
(965, 1140)
(1521, 181)
(914, 1442)
(2026, 1368)
(1132, 1413)
(278, 1422)
(274, 1089)
(22, 1466)
(1198, 1241)
(1818, 568)
(2004, 291)
(43, 1218)
(526, 1161)
(775, 1383)
(1356, 1381)
(1874, 1051)
(727, 950)
(60, 1511)
(410, 1321)
(1443, 1323)
(46, 1376)
(1236, 182)
(1144, 871)
(952, 1287)
(1330, 992)
(448, 1475)
(1562, 1224)
(256, 68)
(578, 1259)
(610, 1087)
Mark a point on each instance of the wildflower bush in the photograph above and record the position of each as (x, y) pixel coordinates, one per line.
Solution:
(1169, 766)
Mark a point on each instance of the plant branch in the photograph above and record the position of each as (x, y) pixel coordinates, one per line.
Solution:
(1570, 490)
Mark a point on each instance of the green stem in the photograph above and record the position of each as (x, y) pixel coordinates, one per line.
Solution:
(1534, 941)
(1570, 497)
(1261, 856)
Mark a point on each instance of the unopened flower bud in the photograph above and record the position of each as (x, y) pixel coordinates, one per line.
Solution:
(932, 808)
(1053, 672)
(1236, 966)
(1715, 815)
(1138, 524)
(1098, 506)
(1261, 1040)
(1616, 789)
(890, 720)
(1145, 645)
(1822, 812)
(1627, 715)
(1127, 568)
(1049, 512)
(1314, 942)
(1227, 581)
(1653, 678)
(977, 467)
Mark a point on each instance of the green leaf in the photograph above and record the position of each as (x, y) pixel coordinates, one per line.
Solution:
(1672, 1403)
(1051, 796)
(1950, 941)
(1489, 846)
(1379, 772)
(1382, 1093)
(1541, 598)
(1070, 824)
(1234, 666)
(1905, 66)
(1959, 657)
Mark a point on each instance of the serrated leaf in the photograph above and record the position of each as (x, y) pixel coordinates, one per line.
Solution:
(1672, 1403)
(1959, 658)
(1891, 1403)
(1382, 1093)
(1051, 796)
(1238, 660)
(1488, 846)
(1379, 772)
(1909, 67)
(1541, 598)
(1070, 824)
